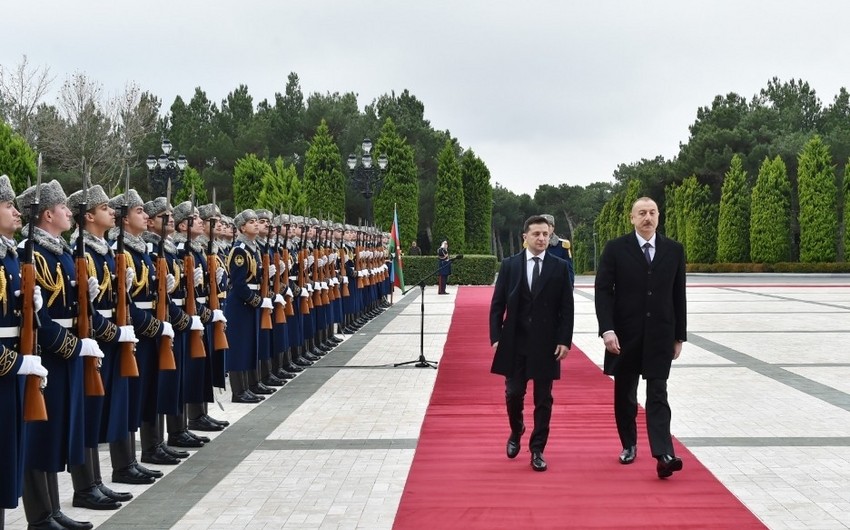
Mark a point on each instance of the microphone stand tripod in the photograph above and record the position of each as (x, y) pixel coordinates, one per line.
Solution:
(422, 362)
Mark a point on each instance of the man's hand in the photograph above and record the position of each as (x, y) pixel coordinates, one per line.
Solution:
(495, 345)
(612, 343)
(677, 350)
(561, 351)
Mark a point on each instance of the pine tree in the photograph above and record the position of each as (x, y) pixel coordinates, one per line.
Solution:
(449, 216)
(324, 182)
(247, 181)
(632, 194)
(770, 223)
(401, 184)
(670, 211)
(17, 159)
(191, 180)
(478, 203)
(296, 198)
(733, 238)
(273, 192)
(818, 202)
(847, 212)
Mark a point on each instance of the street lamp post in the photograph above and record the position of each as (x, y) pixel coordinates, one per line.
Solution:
(594, 253)
(165, 168)
(366, 178)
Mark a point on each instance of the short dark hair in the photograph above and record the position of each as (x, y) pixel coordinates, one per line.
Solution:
(534, 220)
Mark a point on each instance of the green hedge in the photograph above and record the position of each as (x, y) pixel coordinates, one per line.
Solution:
(839, 267)
(471, 270)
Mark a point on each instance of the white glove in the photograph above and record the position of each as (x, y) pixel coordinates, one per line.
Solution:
(127, 334)
(169, 283)
(304, 293)
(128, 280)
(324, 286)
(37, 300)
(167, 329)
(90, 349)
(267, 303)
(345, 279)
(218, 316)
(316, 286)
(288, 291)
(31, 365)
(198, 275)
(197, 325)
(272, 270)
(281, 265)
(278, 299)
(309, 287)
(219, 274)
(94, 288)
(310, 261)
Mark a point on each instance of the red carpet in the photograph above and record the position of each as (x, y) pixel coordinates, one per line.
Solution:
(461, 478)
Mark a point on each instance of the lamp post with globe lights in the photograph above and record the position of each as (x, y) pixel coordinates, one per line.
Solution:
(367, 178)
(165, 168)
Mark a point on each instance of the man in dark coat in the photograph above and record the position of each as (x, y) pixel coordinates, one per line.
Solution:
(640, 307)
(531, 329)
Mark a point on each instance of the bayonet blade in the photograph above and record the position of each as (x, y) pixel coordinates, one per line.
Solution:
(127, 186)
(168, 192)
(38, 180)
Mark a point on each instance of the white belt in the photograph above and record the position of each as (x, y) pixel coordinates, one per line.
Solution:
(254, 286)
(67, 323)
(201, 299)
(9, 332)
(178, 302)
(106, 313)
(144, 305)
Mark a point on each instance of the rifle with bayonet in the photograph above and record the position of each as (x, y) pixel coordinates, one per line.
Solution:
(166, 343)
(289, 310)
(129, 367)
(306, 302)
(279, 313)
(197, 350)
(35, 408)
(91, 365)
(219, 336)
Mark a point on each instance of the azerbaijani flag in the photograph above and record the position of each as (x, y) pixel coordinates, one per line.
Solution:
(396, 272)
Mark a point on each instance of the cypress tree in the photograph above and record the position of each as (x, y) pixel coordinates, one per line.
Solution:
(679, 193)
(670, 211)
(818, 202)
(324, 181)
(733, 238)
(770, 224)
(191, 179)
(632, 193)
(17, 159)
(449, 216)
(247, 181)
(847, 212)
(273, 190)
(478, 198)
(401, 185)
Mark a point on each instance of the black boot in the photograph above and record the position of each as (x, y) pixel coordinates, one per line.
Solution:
(36, 497)
(239, 391)
(58, 516)
(255, 386)
(86, 492)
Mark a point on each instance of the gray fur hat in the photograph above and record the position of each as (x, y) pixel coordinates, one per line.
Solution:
(338, 227)
(157, 206)
(208, 211)
(183, 211)
(313, 221)
(96, 197)
(549, 218)
(243, 217)
(262, 213)
(226, 219)
(296, 219)
(7, 194)
(50, 194)
(134, 200)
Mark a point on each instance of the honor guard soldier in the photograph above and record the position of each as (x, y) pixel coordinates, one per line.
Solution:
(243, 307)
(14, 366)
(275, 375)
(106, 416)
(257, 377)
(296, 321)
(560, 248)
(58, 442)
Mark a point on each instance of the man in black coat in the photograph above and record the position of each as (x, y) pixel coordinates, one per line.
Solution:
(640, 307)
(531, 329)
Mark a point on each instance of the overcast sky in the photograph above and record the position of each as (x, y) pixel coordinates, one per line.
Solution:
(545, 92)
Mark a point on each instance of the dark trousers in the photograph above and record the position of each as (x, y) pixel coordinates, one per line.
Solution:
(657, 413)
(441, 287)
(515, 387)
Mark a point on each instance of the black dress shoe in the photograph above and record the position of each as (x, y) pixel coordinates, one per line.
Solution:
(131, 475)
(303, 363)
(94, 499)
(335, 339)
(176, 453)
(160, 457)
(272, 380)
(47, 524)
(294, 368)
(67, 522)
(203, 423)
(183, 440)
(261, 389)
(537, 462)
(252, 395)
(202, 439)
(312, 356)
(284, 375)
(628, 455)
(120, 496)
(155, 473)
(223, 423)
(244, 397)
(667, 464)
(513, 443)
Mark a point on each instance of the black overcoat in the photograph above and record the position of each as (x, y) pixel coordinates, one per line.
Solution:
(644, 304)
(551, 317)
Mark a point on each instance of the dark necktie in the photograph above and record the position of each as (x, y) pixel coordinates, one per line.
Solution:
(646, 247)
(535, 273)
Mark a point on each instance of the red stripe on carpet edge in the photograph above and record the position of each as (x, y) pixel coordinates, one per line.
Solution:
(461, 478)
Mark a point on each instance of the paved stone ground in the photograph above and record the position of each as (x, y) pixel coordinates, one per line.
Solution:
(761, 395)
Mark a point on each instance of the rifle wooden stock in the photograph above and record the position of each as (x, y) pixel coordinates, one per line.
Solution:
(35, 408)
(290, 310)
(197, 350)
(129, 367)
(317, 293)
(323, 277)
(91, 370)
(302, 281)
(265, 314)
(279, 313)
(358, 266)
(219, 336)
(166, 350)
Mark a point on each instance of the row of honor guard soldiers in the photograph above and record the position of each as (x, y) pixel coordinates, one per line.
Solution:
(287, 285)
